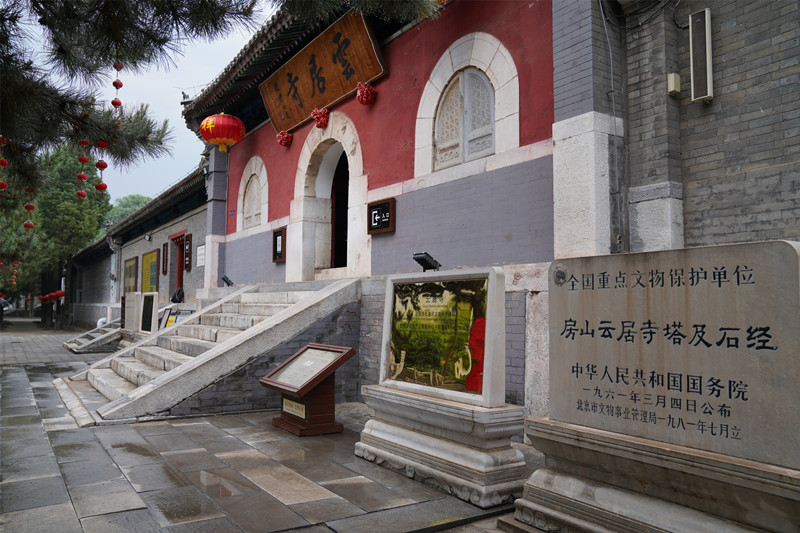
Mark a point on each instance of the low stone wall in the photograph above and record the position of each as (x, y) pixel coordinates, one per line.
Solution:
(241, 390)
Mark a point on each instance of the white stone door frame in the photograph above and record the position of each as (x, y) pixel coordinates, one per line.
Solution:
(309, 226)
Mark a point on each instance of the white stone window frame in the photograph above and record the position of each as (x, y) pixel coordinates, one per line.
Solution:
(464, 83)
(486, 53)
(254, 169)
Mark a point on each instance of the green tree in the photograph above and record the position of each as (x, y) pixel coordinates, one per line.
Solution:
(124, 207)
(49, 98)
(64, 223)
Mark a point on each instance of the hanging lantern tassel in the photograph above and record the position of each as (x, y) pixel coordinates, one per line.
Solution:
(224, 130)
(102, 188)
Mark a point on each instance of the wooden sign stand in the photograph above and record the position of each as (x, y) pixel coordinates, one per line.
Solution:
(307, 382)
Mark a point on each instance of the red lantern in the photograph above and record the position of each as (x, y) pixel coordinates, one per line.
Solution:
(285, 138)
(101, 165)
(224, 130)
(81, 196)
(102, 145)
(31, 191)
(117, 65)
(3, 162)
(366, 94)
(81, 176)
(28, 225)
(29, 207)
(116, 102)
(101, 187)
(83, 159)
(320, 117)
(117, 84)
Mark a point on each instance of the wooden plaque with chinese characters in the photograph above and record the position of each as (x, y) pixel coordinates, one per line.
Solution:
(322, 73)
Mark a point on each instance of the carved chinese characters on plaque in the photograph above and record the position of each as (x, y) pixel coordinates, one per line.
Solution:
(694, 347)
(322, 73)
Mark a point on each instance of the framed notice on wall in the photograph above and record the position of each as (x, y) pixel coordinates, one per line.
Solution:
(187, 253)
(381, 216)
(279, 245)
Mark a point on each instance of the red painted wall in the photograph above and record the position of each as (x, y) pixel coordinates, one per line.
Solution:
(386, 128)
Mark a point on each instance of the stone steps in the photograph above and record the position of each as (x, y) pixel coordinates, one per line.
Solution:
(161, 358)
(134, 370)
(185, 345)
(208, 333)
(109, 383)
(184, 342)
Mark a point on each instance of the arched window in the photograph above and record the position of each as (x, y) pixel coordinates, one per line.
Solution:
(252, 203)
(464, 128)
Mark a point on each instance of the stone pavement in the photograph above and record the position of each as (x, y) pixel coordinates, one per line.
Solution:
(216, 473)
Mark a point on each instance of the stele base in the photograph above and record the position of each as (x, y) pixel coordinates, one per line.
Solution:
(463, 449)
(596, 480)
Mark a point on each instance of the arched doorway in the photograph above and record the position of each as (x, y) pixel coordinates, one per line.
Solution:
(339, 198)
(326, 236)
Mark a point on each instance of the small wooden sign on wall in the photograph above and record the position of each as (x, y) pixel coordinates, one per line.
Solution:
(381, 216)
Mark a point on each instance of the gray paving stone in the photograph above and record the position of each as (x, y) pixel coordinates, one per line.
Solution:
(138, 521)
(180, 505)
(80, 451)
(409, 518)
(59, 518)
(221, 483)
(43, 466)
(105, 497)
(197, 459)
(258, 512)
(156, 476)
(89, 472)
(325, 510)
(366, 493)
(170, 442)
(32, 493)
(216, 525)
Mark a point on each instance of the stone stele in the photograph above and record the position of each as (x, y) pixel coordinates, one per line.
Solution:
(458, 441)
(673, 393)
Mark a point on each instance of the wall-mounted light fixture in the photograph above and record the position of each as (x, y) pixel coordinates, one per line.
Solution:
(147, 237)
(426, 261)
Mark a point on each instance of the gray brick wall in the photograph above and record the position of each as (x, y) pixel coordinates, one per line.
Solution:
(741, 153)
(194, 223)
(515, 347)
(499, 217)
(581, 64)
(249, 260)
(653, 122)
(241, 390)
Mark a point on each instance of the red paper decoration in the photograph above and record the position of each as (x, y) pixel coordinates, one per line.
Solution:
(285, 138)
(366, 94)
(101, 165)
(28, 225)
(224, 130)
(81, 176)
(29, 207)
(320, 117)
(3, 162)
(102, 188)
(81, 195)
